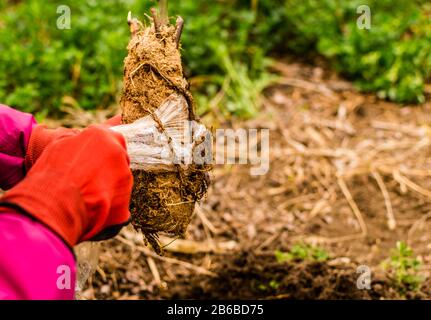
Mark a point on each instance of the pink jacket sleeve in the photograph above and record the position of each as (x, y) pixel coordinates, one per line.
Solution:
(15, 131)
(34, 262)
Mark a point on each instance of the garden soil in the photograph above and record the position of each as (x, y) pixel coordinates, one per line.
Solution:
(329, 146)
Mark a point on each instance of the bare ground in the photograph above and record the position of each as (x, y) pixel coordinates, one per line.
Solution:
(348, 172)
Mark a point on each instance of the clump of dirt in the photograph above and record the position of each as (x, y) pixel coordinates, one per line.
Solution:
(153, 72)
(162, 201)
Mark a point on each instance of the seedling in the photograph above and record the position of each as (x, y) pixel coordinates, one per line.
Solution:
(403, 268)
(302, 252)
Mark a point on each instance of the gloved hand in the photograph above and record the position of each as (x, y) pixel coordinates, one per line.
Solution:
(22, 142)
(41, 137)
(80, 187)
(114, 121)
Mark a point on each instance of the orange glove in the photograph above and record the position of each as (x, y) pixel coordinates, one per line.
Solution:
(41, 137)
(80, 187)
(114, 121)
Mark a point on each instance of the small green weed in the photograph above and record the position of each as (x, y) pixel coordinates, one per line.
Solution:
(303, 252)
(403, 268)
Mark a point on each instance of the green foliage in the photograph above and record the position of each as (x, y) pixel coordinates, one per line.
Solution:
(403, 268)
(42, 65)
(273, 285)
(303, 252)
(243, 93)
(225, 48)
(392, 58)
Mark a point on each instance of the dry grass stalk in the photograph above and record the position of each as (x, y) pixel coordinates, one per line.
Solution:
(149, 253)
(323, 153)
(391, 219)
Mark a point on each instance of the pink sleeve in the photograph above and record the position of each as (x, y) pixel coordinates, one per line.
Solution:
(34, 262)
(15, 131)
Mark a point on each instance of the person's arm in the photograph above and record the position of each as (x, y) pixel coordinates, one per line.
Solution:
(15, 131)
(67, 197)
(22, 141)
(22, 239)
(34, 262)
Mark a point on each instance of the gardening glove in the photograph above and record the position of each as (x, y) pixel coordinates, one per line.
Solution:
(80, 187)
(41, 137)
(114, 121)
(22, 142)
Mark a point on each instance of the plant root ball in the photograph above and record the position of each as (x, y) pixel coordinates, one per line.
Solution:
(161, 201)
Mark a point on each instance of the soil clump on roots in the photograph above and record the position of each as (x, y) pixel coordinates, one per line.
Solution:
(162, 201)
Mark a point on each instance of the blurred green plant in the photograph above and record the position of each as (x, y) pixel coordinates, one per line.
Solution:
(226, 44)
(403, 268)
(392, 58)
(43, 68)
(302, 252)
(273, 285)
(41, 64)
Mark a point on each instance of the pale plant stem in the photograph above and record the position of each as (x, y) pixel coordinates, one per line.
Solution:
(163, 12)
